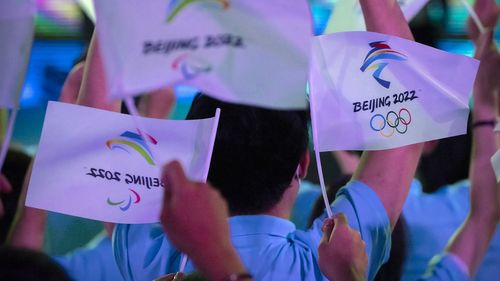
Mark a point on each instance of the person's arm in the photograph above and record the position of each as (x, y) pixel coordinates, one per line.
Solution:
(158, 103)
(472, 239)
(200, 229)
(388, 172)
(71, 87)
(488, 12)
(93, 91)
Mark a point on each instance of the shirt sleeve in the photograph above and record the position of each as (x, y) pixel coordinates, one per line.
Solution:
(93, 263)
(445, 268)
(366, 214)
(142, 252)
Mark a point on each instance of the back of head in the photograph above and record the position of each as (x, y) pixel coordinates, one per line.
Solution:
(23, 264)
(446, 164)
(256, 152)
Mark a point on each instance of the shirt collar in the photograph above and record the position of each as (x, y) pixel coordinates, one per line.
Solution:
(260, 224)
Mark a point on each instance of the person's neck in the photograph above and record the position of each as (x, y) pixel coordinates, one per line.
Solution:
(283, 208)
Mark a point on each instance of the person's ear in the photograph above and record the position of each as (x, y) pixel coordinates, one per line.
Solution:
(305, 159)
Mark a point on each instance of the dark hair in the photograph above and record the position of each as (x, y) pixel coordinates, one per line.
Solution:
(447, 164)
(256, 152)
(23, 264)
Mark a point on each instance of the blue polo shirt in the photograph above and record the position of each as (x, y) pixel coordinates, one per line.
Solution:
(432, 219)
(271, 248)
(94, 262)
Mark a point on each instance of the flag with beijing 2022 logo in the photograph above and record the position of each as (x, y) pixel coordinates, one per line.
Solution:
(245, 51)
(17, 29)
(371, 91)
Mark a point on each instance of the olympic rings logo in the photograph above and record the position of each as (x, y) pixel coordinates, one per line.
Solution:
(391, 123)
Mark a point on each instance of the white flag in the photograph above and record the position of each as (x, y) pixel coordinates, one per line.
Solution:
(16, 35)
(347, 14)
(94, 164)
(372, 91)
(248, 52)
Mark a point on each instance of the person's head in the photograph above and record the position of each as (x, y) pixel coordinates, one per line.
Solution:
(445, 162)
(24, 264)
(257, 153)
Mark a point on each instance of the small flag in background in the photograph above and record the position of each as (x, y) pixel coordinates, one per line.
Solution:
(16, 32)
(95, 164)
(372, 91)
(347, 14)
(248, 52)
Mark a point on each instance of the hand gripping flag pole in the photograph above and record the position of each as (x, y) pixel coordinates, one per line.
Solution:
(129, 102)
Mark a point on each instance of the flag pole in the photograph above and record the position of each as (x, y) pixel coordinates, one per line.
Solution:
(474, 16)
(318, 158)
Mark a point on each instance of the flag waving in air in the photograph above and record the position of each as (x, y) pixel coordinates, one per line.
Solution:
(372, 91)
(248, 52)
(96, 164)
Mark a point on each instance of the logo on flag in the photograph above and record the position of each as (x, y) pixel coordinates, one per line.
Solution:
(380, 51)
(390, 123)
(125, 206)
(130, 140)
(176, 6)
(190, 66)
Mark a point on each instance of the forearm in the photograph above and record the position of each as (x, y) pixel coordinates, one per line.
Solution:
(389, 173)
(93, 91)
(472, 239)
(385, 16)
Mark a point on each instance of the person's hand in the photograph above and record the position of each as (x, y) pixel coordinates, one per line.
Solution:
(5, 187)
(342, 254)
(487, 83)
(488, 12)
(194, 216)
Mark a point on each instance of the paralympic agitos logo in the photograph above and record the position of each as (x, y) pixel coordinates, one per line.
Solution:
(176, 6)
(130, 142)
(190, 66)
(381, 51)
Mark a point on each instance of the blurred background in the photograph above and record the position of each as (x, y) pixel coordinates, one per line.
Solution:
(64, 28)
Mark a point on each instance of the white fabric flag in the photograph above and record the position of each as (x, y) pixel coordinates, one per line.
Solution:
(94, 164)
(88, 8)
(16, 35)
(371, 91)
(347, 14)
(242, 51)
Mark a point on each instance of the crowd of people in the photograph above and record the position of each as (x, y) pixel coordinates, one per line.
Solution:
(387, 224)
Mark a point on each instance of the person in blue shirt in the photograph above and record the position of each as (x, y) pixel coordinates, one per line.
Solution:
(259, 158)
